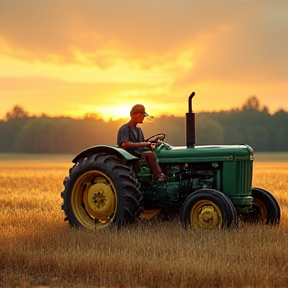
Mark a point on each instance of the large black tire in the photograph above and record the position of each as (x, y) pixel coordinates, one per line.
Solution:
(265, 208)
(99, 192)
(208, 208)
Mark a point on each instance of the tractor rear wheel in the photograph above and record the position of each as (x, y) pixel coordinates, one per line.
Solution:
(265, 208)
(208, 208)
(101, 191)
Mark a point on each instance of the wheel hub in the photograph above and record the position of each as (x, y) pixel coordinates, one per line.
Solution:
(208, 217)
(99, 201)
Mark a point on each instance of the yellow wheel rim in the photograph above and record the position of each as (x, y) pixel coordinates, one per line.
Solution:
(263, 215)
(206, 214)
(94, 200)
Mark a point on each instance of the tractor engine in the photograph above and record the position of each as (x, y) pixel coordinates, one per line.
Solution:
(183, 179)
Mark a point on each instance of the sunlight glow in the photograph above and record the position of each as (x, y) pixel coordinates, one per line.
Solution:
(120, 72)
(105, 67)
(102, 67)
(109, 112)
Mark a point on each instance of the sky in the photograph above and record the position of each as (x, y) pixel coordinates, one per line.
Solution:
(77, 57)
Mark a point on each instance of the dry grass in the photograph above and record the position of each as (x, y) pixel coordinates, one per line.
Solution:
(38, 249)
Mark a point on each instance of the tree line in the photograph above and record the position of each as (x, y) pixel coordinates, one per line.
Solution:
(250, 124)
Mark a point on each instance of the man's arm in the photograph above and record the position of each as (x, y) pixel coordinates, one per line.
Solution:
(135, 145)
(125, 143)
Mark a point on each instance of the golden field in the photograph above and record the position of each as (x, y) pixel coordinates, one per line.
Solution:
(37, 248)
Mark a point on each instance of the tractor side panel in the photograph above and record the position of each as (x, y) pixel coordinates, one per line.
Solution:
(237, 182)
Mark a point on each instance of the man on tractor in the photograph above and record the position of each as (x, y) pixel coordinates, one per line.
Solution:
(131, 138)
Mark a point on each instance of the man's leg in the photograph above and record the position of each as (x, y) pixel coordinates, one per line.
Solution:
(150, 157)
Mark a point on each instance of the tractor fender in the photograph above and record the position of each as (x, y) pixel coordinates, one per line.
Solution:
(112, 150)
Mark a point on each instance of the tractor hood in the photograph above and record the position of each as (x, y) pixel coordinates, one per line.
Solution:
(199, 153)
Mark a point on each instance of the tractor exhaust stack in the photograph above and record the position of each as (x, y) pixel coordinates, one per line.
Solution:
(190, 124)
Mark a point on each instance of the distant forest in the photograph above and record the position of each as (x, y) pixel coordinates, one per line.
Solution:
(250, 124)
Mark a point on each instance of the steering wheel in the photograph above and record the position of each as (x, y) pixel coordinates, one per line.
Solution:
(156, 138)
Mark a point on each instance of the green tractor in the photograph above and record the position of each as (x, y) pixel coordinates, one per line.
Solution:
(207, 186)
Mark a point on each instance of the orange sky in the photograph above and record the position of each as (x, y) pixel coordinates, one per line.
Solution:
(72, 57)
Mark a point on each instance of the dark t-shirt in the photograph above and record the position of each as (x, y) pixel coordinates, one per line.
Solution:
(130, 134)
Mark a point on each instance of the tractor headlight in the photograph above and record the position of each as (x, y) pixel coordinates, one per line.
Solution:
(251, 153)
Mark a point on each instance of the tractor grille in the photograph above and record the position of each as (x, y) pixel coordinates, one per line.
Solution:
(244, 180)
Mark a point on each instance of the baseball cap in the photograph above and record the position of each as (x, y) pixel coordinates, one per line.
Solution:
(138, 108)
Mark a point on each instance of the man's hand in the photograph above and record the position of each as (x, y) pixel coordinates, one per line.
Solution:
(152, 145)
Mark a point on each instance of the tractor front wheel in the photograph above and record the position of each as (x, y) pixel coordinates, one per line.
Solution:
(208, 208)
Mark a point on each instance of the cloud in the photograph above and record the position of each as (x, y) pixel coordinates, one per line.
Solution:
(173, 45)
(229, 40)
(144, 30)
(253, 49)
